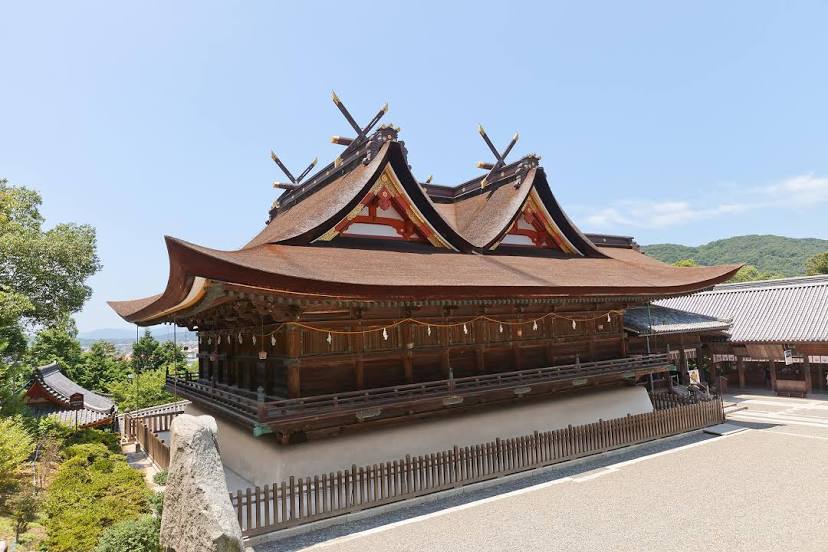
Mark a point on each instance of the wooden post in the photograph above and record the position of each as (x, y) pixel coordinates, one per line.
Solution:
(740, 367)
(806, 369)
(293, 341)
(821, 376)
(684, 376)
(700, 363)
(408, 353)
(772, 367)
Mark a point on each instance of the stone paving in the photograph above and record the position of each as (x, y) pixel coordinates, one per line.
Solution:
(758, 490)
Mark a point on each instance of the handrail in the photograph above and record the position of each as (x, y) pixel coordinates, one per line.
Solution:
(342, 401)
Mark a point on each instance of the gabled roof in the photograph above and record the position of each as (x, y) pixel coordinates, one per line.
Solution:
(59, 388)
(300, 253)
(790, 310)
(659, 320)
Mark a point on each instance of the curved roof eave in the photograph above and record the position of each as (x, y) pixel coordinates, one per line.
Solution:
(289, 269)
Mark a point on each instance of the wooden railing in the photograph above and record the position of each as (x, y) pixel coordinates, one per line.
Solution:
(306, 499)
(155, 447)
(144, 429)
(159, 419)
(262, 408)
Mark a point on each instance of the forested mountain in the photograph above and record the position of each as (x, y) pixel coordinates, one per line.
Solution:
(768, 253)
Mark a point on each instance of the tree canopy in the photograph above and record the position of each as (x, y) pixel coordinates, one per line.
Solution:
(42, 272)
(818, 264)
(769, 254)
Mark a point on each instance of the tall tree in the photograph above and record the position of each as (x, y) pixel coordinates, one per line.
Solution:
(818, 264)
(101, 365)
(57, 343)
(47, 269)
(146, 354)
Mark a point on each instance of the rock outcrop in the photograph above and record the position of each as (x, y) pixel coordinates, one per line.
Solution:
(198, 515)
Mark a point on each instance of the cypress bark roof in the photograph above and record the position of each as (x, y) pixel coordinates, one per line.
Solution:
(302, 250)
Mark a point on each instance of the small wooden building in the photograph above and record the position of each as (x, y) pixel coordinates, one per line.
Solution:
(51, 393)
(771, 320)
(372, 297)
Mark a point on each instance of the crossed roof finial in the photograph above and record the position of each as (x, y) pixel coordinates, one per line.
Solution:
(500, 158)
(362, 132)
(294, 182)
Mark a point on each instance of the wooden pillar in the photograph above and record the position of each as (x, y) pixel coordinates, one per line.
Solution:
(740, 367)
(359, 362)
(684, 376)
(700, 365)
(821, 376)
(480, 359)
(806, 369)
(772, 368)
(408, 353)
(293, 342)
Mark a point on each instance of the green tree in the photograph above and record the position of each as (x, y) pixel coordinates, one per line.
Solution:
(686, 262)
(16, 445)
(57, 343)
(146, 354)
(101, 366)
(42, 270)
(818, 264)
(749, 273)
(172, 357)
(148, 391)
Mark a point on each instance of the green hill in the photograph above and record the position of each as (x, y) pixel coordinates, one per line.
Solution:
(767, 253)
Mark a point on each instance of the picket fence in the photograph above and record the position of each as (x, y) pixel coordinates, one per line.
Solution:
(303, 500)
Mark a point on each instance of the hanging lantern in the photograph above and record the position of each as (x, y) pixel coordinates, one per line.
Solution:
(500, 328)
(520, 332)
(573, 325)
(535, 325)
(609, 318)
(329, 339)
(240, 337)
(209, 341)
(273, 340)
(428, 330)
(254, 340)
(384, 334)
(465, 330)
(218, 340)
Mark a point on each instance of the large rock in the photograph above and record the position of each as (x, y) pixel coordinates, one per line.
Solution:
(198, 515)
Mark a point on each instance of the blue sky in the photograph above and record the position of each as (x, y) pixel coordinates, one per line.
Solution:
(681, 122)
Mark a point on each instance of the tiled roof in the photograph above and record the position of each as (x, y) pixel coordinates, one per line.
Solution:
(84, 417)
(777, 311)
(62, 388)
(657, 320)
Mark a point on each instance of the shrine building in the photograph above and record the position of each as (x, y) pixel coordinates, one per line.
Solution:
(375, 300)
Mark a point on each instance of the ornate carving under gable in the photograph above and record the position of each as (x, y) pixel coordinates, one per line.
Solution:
(386, 212)
(534, 227)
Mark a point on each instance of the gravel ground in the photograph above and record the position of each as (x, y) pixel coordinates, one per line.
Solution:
(759, 490)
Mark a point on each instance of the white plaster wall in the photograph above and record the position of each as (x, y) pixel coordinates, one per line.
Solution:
(261, 461)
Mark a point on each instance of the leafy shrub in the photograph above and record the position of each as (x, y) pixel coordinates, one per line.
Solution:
(133, 535)
(89, 436)
(16, 445)
(160, 478)
(156, 501)
(93, 489)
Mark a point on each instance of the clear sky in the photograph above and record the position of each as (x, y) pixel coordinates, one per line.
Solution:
(681, 122)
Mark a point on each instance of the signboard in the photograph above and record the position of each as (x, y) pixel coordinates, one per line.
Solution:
(788, 356)
(694, 376)
(76, 401)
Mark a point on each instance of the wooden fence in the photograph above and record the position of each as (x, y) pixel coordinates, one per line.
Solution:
(306, 499)
(144, 430)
